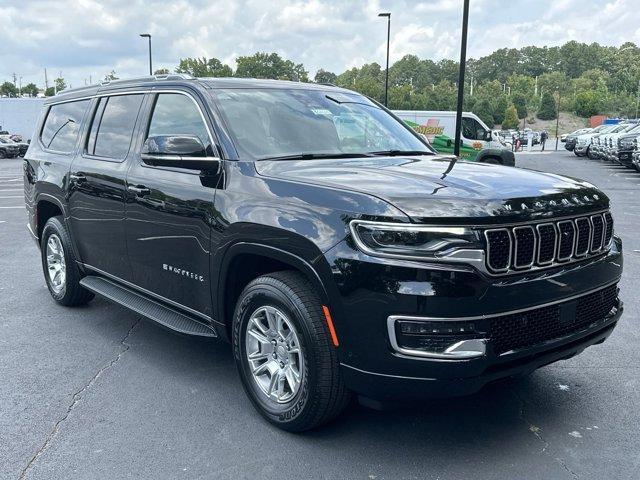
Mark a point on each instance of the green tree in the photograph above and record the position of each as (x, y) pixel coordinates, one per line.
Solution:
(484, 110)
(270, 65)
(109, 76)
(587, 103)
(30, 89)
(323, 76)
(161, 71)
(520, 102)
(501, 107)
(204, 67)
(510, 118)
(49, 92)
(548, 107)
(8, 89)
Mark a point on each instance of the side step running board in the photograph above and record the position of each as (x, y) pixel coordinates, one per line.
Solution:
(165, 316)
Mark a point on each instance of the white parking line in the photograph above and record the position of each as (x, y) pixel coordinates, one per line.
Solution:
(13, 196)
(11, 189)
(22, 206)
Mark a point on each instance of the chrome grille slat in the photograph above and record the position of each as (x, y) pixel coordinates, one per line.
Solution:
(518, 248)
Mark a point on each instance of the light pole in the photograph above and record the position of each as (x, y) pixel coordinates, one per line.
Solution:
(146, 35)
(386, 78)
(463, 61)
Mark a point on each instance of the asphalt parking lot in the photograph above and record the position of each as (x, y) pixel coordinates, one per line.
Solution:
(98, 393)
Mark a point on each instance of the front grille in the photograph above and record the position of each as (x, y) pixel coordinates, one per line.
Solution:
(547, 244)
(533, 327)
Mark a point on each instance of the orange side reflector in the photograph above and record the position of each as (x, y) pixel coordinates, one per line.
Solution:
(332, 330)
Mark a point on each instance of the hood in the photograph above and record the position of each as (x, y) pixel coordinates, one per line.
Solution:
(436, 188)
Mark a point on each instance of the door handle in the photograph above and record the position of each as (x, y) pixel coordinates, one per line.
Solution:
(77, 177)
(139, 190)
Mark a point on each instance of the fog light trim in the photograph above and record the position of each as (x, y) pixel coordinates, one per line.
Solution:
(464, 349)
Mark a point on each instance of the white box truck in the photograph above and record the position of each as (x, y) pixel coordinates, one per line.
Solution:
(479, 142)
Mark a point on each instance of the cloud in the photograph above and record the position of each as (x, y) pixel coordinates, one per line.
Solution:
(92, 37)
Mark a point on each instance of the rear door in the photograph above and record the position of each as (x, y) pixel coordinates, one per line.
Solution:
(170, 210)
(97, 184)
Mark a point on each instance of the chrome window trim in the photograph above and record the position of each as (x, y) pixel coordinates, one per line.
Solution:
(486, 236)
(573, 242)
(535, 244)
(555, 244)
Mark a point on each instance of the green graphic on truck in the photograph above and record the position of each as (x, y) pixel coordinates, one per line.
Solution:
(443, 143)
(440, 130)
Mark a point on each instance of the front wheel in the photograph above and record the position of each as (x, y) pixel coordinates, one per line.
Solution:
(283, 351)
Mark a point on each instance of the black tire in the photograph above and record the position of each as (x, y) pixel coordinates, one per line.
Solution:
(3, 154)
(321, 395)
(492, 161)
(71, 294)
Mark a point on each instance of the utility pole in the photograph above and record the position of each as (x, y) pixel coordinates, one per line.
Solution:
(557, 118)
(638, 99)
(20, 86)
(536, 87)
(471, 93)
(463, 61)
(148, 37)
(46, 80)
(386, 77)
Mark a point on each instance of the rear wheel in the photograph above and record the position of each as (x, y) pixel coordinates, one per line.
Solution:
(284, 354)
(59, 264)
(3, 154)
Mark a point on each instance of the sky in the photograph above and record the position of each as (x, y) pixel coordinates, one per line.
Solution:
(85, 39)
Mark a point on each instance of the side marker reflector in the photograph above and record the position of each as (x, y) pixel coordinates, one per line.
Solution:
(332, 330)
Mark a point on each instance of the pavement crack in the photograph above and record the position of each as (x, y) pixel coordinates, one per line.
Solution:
(124, 347)
(532, 428)
(537, 432)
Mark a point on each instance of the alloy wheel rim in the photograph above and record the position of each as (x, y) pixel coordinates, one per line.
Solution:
(274, 354)
(56, 266)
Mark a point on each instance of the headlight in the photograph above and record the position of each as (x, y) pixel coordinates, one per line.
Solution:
(414, 241)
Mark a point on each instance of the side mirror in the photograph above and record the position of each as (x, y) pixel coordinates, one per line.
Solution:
(178, 151)
(487, 136)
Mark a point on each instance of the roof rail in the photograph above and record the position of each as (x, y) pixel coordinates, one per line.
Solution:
(150, 78)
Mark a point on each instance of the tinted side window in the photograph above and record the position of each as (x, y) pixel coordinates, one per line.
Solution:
(62, 125)
(175, 114)
(112, 127)
(470, 128)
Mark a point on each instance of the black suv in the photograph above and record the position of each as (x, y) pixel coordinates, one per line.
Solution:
(323, 238)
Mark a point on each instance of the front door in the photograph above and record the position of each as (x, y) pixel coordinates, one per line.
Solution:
(97, 184)
(169, 212)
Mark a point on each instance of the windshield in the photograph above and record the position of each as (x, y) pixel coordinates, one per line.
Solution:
(272, 123)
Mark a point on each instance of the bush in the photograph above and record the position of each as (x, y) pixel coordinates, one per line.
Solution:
(510, 118)
(587, 103)
(548, 107)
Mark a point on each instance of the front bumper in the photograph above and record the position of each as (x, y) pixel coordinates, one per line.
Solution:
(373, 290)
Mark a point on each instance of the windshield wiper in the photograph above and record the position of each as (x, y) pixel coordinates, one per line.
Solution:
(396, 153)
(314, 156)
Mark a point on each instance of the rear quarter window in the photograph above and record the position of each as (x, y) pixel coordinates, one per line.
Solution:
(61, 127)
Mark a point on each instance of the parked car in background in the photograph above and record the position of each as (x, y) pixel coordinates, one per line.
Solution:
(635, 156)
(584, 141)
(570, 138)
(22, 146)
(8, 149)
(608, 140)
(625, 148)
